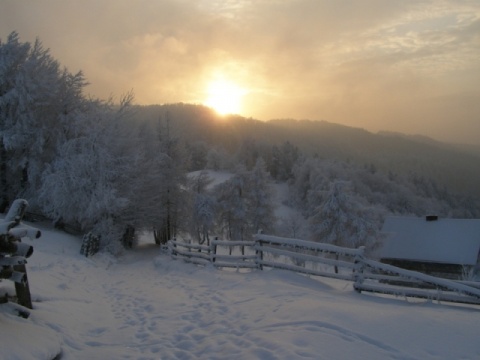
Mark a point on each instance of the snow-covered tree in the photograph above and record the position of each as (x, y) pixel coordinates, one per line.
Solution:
(343, 219)
(283, 160)
(197, 155)
(13, 54)
(245, 203)
(36, 100)
(232, 205)
(202, 218)
(90, 184)
(260, 199)
(217, 159)
(171, 185)
(293, 225)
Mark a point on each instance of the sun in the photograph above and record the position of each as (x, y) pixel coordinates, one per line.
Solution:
(224, 96)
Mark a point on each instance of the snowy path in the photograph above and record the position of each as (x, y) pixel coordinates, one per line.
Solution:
(147, 306)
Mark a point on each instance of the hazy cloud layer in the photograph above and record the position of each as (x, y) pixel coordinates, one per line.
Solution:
(409, 66)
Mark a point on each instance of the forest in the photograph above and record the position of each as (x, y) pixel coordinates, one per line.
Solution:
(112, 168)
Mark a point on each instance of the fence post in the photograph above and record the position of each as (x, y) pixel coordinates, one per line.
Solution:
(172, 246)
(258, 250)
(213, 254)
(358, 269)
(23, 289)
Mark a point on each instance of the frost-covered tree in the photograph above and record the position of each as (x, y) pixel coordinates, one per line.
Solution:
(343, 219)
(36, 100)
(245, 203)
(202, 218)
(260, 199)
(283, 160)
(90, 184)
(197, 155)
(217, 159)
(293, 225)
(13, 55)
(248, 153)
(171, 185)
(232, 203)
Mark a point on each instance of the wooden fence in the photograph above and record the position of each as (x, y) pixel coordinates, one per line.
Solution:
(219, 253)
(373, 276)
(318, 259)
(13, 253)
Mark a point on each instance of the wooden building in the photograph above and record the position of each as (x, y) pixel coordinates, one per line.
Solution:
(441, 247)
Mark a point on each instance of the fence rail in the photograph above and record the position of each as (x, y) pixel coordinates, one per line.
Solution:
(219, 253)
(373, 276)
(326, 260)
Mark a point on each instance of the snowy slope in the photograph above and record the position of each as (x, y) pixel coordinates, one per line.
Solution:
(148, 306)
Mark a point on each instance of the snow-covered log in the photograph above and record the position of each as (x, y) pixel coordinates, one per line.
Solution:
(13, 252)
(25, 231)
(16, 211)
(12, 260)
(5, 226)
(15, 276)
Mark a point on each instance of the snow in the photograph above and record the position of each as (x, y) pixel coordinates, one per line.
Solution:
(146, 305)
(454, 241)
(217, 177)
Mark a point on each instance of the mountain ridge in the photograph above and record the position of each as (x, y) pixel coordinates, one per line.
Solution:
(457, 167)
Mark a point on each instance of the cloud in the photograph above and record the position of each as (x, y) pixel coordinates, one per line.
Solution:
(373, 63)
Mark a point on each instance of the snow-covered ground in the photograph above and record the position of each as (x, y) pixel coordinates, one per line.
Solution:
(147, 306)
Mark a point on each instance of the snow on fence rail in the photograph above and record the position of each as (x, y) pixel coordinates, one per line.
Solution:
(307, 257)
(211, 254)
(326, 260)
(271, 251)
(374, 276)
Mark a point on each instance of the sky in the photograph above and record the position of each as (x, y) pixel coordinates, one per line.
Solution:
(383, 65)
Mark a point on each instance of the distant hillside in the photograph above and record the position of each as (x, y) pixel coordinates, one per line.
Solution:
(456, 167)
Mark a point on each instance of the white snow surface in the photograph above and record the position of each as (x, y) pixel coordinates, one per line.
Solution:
(145, 305)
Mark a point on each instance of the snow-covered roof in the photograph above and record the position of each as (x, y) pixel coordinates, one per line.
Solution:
(450, 241)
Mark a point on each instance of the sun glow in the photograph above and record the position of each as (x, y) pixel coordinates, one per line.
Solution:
(224, 96)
